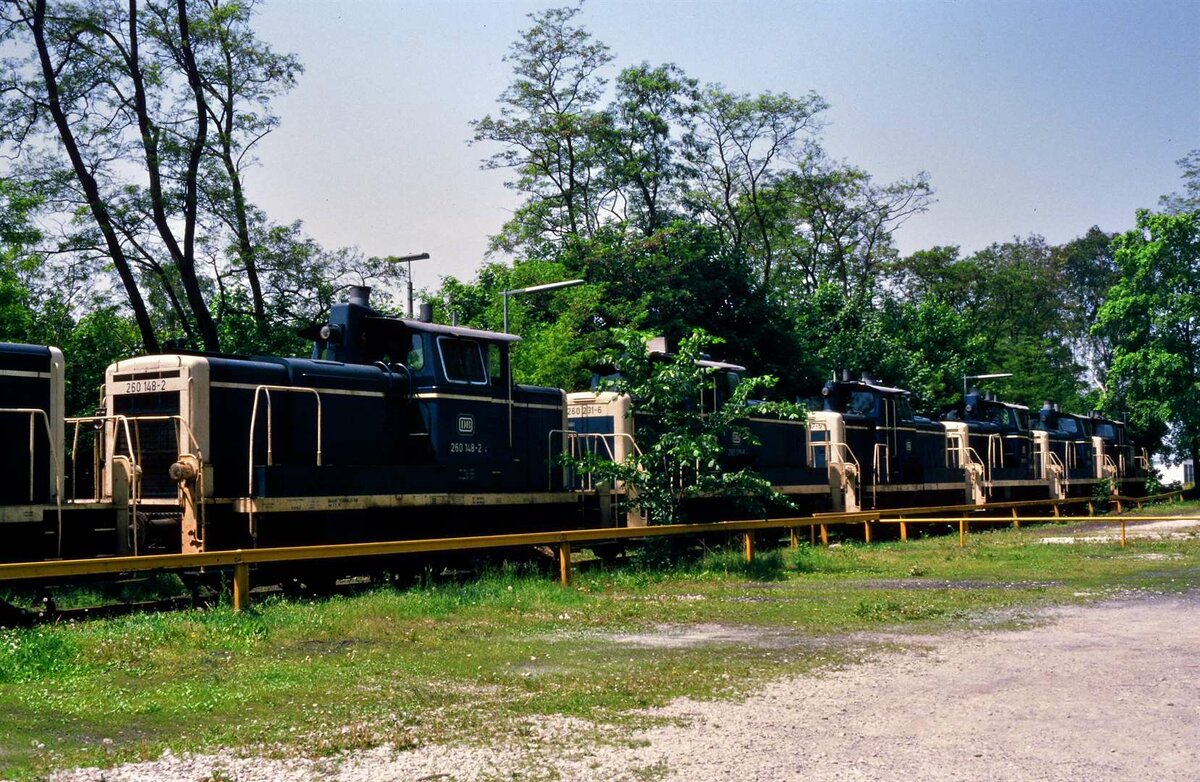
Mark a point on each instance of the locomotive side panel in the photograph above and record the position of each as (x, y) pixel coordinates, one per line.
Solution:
(31, 423)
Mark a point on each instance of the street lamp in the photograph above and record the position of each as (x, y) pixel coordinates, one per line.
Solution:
(409, 259)
(982, 377)
(550, 286)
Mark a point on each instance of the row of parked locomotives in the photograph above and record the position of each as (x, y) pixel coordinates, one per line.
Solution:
(398, 428)
(862, 448)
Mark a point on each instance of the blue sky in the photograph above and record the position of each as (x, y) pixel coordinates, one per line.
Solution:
(1031, 117)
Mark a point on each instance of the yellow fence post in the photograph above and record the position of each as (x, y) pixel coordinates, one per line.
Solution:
(824, 535)
(1016, 519)
(748, 537)
(241, 586)
(564, 563)
(1122, 532)
(812, 534)
(962, 532)
(903, 529)
(867, 531)
(1120, 509)
(795, 538)
(1091, 508)
(1057, 512)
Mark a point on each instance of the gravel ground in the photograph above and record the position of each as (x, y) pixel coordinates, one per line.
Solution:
(1105, 692)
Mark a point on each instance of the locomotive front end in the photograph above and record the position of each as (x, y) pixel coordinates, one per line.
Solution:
(156, 435)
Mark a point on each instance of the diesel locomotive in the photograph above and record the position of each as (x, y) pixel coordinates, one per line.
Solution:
(400, 428)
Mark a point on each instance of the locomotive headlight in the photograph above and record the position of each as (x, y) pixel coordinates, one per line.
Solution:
(331, 332)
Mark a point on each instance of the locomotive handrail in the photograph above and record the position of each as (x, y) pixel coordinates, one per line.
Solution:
(259, 392)
(572, 438)
(827, 446)
(880, 447)
(1109, 463)
(135, 452)
(55, 459)
(265, 390)
(996, 446)
(973, 455)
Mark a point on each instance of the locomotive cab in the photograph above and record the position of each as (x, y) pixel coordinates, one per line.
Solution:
(1116, 458)
(898, 452)
(1068, 443)
(999, 436)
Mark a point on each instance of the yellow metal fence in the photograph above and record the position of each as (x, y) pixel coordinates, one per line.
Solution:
(241, 559)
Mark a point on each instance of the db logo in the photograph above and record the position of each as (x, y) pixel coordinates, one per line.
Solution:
(466, 424)
(736, 437)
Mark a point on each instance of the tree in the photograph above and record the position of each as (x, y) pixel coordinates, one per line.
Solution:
(1152, 316)
(546, 126)
(641, 156)
(735, 144)
(17, 237)
(1189, 199)
(1090, 272)
(1024, 304)
(835, 225)
(151, 111)
(680, 456)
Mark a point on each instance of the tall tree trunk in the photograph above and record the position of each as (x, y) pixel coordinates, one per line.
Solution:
(183, 257)
(91, 189)
(241, 222)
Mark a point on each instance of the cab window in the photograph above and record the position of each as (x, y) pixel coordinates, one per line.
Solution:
(416, 354)
(495, 363)
(462, 361)
(860, 403)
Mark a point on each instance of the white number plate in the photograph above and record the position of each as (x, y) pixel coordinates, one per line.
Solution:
(150, 385)
(586, 411)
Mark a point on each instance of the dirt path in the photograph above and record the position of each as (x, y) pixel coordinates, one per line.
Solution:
(1108, 692)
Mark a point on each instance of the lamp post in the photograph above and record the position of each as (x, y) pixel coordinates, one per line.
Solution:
(550, 286)
(409, 259)
(982, 377)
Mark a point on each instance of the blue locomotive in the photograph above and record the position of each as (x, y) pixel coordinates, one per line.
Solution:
(398, 428)
(395, 428)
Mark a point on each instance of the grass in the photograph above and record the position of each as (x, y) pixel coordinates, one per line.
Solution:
(473, 661)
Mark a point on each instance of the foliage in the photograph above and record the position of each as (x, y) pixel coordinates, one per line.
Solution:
(1025, 306)
(679, 436)
(18, 237)
(138, 122)
(1189, 199)
(1151, 317)
(545, 128)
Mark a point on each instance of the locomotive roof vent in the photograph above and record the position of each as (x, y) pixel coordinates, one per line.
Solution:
(426, 313)
(866, 378)
(845, 375)
(360, 295)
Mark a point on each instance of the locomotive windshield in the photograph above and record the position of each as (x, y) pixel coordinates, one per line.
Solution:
(860, 403)
(462, 361)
